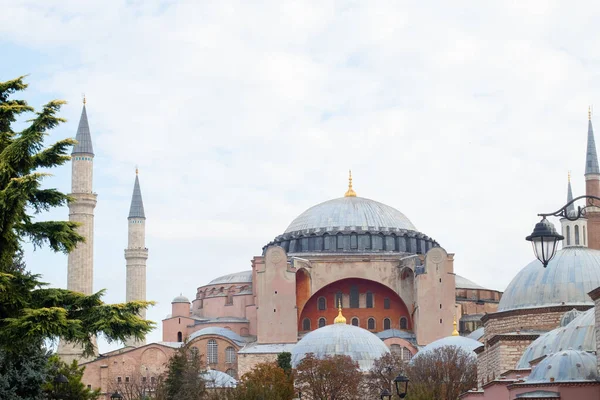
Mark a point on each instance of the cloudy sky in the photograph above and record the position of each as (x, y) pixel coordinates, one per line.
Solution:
(241, 115)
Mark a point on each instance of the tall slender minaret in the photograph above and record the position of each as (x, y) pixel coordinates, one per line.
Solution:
(592, 186)
(136, 253)
(80, 270)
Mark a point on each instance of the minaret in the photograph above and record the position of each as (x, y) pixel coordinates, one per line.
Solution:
(136, 253)
(80, 270)
(575, 232)
(592, 186)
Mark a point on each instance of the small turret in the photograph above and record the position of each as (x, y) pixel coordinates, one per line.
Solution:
(575, 232)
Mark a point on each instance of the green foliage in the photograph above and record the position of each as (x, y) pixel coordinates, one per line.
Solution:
(284, 361)
(183, 380)
(74, 389)
(22, 375)
(335, 377)
(29, 311)
(266, 381)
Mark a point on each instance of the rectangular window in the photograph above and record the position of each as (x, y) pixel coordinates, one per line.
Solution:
(353, 296)
(386, 303)
(119, 380)
(143, 379)
(126, 379)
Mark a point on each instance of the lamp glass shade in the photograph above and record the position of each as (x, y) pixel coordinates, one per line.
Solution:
(544, 240)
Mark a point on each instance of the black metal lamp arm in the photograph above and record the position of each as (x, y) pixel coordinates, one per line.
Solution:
(562, 212)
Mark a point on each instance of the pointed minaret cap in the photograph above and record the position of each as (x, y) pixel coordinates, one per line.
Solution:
(571, 207)
(137, 205)
(83, 137)
(455, 332)
(350, 192)
(340, 319)
(591, 158)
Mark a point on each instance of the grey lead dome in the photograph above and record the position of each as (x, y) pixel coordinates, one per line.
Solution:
(351, 212)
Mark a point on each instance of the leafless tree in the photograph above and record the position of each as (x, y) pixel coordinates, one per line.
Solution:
(382, 374)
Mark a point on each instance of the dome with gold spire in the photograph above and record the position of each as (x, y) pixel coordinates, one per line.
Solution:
(341, 339)
(352, 224)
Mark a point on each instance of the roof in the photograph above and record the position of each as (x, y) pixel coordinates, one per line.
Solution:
(180, 299)
(462, 342)
(236, 277)
(591, 157)
(83, 137)
(537, 394)
(270, 348)
(579, 334)
(464, 283)
(217, 379)
(137, 205)
(354, 212)
(567, 279)
(229, 334)
(395, 333)
(341, 339)
(476, 334)
(565, 366)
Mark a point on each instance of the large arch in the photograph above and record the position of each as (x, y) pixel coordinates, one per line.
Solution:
(302, 288)
(393, 308)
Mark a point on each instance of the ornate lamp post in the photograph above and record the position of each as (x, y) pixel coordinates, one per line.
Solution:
(385, 395)
(544, 237)
(60, 382)
(116, 396)
(401, 383)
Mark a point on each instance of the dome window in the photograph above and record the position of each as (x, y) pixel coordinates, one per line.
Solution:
(355, 321)
(306, 324)
(322, 322)
(403, 323)
(576, 235)
(387, 324)
(371, 324)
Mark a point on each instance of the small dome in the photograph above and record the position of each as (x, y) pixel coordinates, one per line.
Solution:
(569, 316)
(468, 345)
(568, 278)
(341, 339)
(579, 334)
(565, 366)
(476, 334)
(216, 379)
(355, 212)
(236, 277)
(180, 299)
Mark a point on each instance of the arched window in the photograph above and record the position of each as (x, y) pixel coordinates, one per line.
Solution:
(230, 355)
(584, 236)
(371, 324)
(231, 372)
(403, 323)
(387, 324)
(306, 324)
(576, 235)
(396, 349)
(406, 354)
(322, 322)
(322, 303)
(194, 352)
(568, 235)
(353, 296)
(355, 321)
(369, 300)
(179, 337)
(212, 352)
(338, 299)
(386, 303)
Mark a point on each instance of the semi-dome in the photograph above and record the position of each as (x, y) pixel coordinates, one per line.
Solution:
(579, 334)
(355, 212)
(565, 366)
(341, 339)
(568, 278)
(462, 342)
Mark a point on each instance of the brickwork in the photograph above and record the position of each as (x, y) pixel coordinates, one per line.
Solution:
(595, 295)
(247, 361)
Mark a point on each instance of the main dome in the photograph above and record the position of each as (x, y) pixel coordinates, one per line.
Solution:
(567, 280)
(350, 212)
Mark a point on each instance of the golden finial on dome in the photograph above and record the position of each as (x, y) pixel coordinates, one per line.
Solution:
(455, 332)
(340, 319)
(350, 192)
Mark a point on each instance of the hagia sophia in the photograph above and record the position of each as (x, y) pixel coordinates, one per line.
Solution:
(354, 276)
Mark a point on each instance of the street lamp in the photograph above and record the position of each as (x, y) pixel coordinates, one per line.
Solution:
(385, 395)
(544, 237)
(60, 382)
(116, 396)
(401, 383)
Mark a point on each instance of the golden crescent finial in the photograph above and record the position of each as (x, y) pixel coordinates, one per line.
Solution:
(84, 100)
(454, 331)
(569, 175)
(589, 113)
(136, 170)
(340, 319)
(350, 192)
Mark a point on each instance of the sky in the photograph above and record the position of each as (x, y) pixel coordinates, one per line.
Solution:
(241, 115)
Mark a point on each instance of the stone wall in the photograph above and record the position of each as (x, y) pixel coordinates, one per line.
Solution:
(246, 362)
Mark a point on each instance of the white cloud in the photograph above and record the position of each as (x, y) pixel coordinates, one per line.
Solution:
(241, 115)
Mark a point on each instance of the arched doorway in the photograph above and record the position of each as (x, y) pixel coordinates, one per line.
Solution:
(362, 301)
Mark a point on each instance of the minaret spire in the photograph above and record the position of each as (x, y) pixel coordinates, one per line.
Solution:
(592, 188)
(591, 159)
(136, 253)
(80, 268)
(570, 208)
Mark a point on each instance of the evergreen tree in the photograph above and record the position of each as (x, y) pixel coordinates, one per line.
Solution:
(29, 311)
(284, 361)
(23, 374)
(183, 379)
(74, 389)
